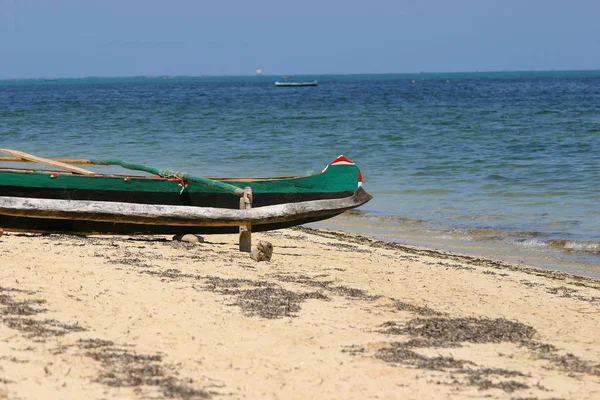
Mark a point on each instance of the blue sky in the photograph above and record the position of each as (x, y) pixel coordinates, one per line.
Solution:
(77, 38)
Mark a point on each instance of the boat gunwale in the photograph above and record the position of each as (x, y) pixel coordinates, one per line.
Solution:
(150, 177)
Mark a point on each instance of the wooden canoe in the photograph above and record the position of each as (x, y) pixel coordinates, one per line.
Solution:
(70, 199)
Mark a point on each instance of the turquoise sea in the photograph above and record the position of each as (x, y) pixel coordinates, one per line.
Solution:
(504, 164)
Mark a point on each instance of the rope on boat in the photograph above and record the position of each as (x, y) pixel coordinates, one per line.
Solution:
(169, 174)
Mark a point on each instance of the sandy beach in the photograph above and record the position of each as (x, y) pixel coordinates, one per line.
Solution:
(331, 316)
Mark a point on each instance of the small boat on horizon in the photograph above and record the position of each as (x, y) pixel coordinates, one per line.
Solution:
(285, 82)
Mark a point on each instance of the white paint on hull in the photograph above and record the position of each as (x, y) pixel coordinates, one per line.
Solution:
(134, 213)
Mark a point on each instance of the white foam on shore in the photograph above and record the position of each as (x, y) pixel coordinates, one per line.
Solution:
(583, 246)
(534, 243)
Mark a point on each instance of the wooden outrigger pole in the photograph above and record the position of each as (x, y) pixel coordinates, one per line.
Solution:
(55, 163)
(71, 161)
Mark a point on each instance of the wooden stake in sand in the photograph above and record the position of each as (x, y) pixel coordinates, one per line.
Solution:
(246, 229)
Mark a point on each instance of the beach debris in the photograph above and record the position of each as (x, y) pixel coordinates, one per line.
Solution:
(40, 329)
(262, 251)
(470, 329)
(421, 310)
(345, 291)
(189, 238)
(124, 368)
(261, 298)
(462, 372)
(1, 231)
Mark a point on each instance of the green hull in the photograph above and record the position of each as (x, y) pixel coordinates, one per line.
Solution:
(45, 201)
(338, 178)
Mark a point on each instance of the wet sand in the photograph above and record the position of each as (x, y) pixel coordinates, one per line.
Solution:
(573, 257)
(331, 316)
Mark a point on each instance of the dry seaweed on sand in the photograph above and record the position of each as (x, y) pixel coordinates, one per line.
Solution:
(423, 343)
(19, 307)
(273, 302)
(255, 298)
(171, 273)
(566, 362)
(262, 298)
(221, 285)
(303, 280)
(470, 329)
(562, 291)
(574, 364)
(398, 353)
(41, 328)
(421, 310)
(483, 383)
(344, 291)
(15, 311)
(350, 247)
(451, 332)
(121, 368)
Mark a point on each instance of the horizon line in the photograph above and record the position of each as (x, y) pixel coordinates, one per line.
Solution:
(311, 74)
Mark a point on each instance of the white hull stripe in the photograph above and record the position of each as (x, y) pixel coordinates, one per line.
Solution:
(135, 213)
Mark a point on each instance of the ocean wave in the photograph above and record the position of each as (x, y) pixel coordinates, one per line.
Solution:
(497, 177)
(425, 191)
(576, 246)
(530, 194)
(383, 219)
(530, 240)
(564, 224)
(403, 220)
(11, 114)
(355, 214)
(533, 243)
(305, 117)
(500, 234)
